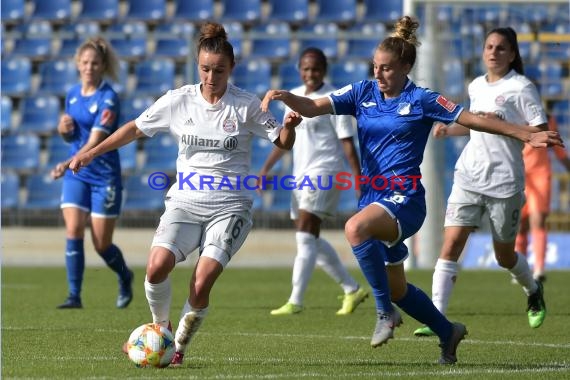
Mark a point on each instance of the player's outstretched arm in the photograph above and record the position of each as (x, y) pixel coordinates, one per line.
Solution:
(287, 135)
(496, 126)
(122, 136)
(305, 106)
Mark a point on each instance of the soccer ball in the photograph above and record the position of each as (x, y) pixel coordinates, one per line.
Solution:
(151, 345)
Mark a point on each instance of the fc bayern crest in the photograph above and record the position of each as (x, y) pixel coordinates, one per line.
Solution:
(230, 125)
(500, 100)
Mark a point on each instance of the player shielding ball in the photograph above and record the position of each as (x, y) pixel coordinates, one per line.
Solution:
(216, 222)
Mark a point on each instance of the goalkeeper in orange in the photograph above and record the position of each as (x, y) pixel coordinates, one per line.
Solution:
(537, 190)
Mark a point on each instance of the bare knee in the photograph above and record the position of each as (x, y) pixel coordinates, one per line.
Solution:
(354, 232)
(160, 263)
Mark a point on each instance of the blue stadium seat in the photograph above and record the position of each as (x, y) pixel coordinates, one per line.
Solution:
(321, 35)
(362, 39)
(57, 151)
(561, 110)
(348, 71)
(278, 110)
(453, 78)
(35, 40)
(129, 39)
(139, 196)
(174, 40)
(483, 14)
(473, 37)
(260, 150)
(526, 39)
(253, 75)
(43, 193)
(10, 190)
(195, 10)
(244, 11)
(554, 42)
(21, 152)
(16, 79)
(386, 11)
(52, 10)
(122, 83)
(289, 75)
(338, 11)
(104, 11)
(551, 79)
(128, 157)
(149, 11)
(154, 76)
(235, 36)
(6, 114)
(73, 35)
(174, 48)
(290, 11)
(180, 29)
(160, 153)
(12, 11)
(40, 114)
(132, 106)
(271, 41)
(57, 76)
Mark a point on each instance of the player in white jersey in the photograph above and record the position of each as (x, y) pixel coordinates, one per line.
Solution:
(208, 208)
(321, 145)
(489, 174)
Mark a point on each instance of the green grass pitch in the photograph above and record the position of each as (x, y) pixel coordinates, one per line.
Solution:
(240, 340)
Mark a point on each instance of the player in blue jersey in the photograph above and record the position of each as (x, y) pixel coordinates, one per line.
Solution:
(91, 114)
(394, 119)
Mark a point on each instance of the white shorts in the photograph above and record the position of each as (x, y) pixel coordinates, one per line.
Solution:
(466, 208)
(322, 203)
(181, 232)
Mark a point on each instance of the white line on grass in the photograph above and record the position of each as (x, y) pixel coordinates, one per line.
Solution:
(348, 337)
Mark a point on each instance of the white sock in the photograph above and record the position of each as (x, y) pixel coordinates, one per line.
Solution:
(190, 321)
(327, 258)
(521, 273)
(444, 277)
(304, 265)
(159, 297)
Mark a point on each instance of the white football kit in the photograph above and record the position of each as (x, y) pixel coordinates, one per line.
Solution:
(208, 207)
(318, 154)
(214, 144)
(489, 174)
(493, 164)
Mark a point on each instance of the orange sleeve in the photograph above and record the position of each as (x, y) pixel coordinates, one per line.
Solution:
(559, 151)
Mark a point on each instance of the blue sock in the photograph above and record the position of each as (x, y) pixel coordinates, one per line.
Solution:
(371, 260)
(113, 257)
(75, 265)
(418, 305)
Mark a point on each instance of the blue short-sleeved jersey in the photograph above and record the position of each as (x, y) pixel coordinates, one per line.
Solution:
(392, 134)
(86, 112)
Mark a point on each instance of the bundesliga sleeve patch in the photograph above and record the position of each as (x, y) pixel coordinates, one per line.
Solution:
(445, 103)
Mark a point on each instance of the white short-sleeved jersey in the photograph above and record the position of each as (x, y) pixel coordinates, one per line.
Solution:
(318, 150)
(214, 144)
(493, 164)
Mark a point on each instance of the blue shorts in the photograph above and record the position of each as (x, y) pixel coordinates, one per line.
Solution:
(410, 212)
(102, 201)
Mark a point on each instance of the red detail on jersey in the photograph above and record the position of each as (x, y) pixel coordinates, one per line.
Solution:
(108, 117)
(445, 103)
